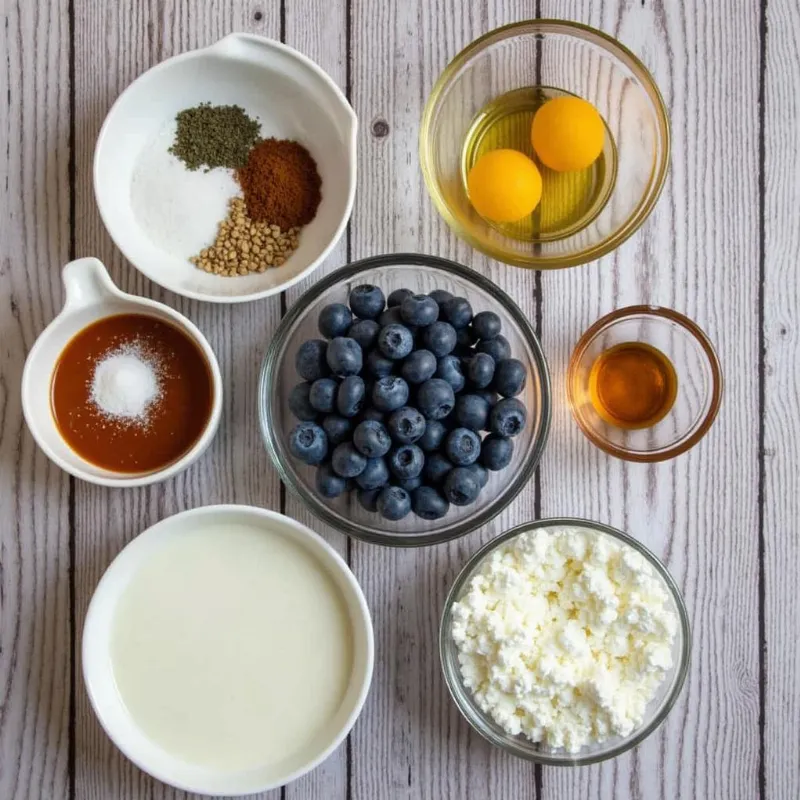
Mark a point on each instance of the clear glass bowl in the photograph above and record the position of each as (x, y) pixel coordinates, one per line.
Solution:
(697, 369)
(657, 709)
(420, 273)
(553, 58)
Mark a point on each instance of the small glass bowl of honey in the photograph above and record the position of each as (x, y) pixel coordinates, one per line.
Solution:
(644, 383)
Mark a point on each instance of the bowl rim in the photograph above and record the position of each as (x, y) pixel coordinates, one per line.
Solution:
(460, 694)
(136, 551)
(658, 174)
(219, 48)
(717, 382)
(271, 363)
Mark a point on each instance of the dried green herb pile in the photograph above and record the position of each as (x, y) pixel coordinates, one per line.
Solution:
(214, 136)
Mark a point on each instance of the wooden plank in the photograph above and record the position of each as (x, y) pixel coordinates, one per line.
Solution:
(317, 28)
(115, 43)
(411, 741)
(35, 665)
(698, 254)
(781, 498)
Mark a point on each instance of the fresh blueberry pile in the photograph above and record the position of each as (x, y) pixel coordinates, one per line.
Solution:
(395, 397)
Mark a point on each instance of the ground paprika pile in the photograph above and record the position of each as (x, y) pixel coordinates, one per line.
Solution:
(281, 184)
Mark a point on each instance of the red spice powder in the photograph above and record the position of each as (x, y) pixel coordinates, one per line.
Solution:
(281, 184)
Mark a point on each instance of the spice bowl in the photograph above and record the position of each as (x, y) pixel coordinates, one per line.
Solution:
(91, 296)
(662, 700)
(291, 98)
(697, 376)
(422, 274)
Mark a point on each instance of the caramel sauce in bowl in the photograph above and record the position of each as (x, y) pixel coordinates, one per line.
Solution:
(60, 405)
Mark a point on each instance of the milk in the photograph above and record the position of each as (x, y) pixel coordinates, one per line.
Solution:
(232, 648)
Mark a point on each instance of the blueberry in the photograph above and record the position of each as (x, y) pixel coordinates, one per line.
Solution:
(433, 437)
(498, 348)
(465, 338)
(391, 316)
(310, 360)
(394, 502)
(371, 413)
(448, 368)
(374, 475)
(488, 395)
(496, 452)
(322, 395)
(328, 483)
(461, 486)
(462, 446)
(308, 442)
(419, 366)
(390, 393)
(334, 320)
(409, 484)
(436, 468)
(439, 338)
(378, 364)
(406, 461)
(365, 332)
(458, 312)
(509, 377)
(344, 357)
(419, 309)
(347, 461)
(472, 411)
(372, 439)
(397, 296)
(440, 296)
(395, 341)
(435, 398)
(369, 499)
(428, 503)
(406, 425)
(480, 370)
(486, 325)
(367, 301)
(508, 417)
(300, 402)
(350, 397)
(480, 472)
(337, 429)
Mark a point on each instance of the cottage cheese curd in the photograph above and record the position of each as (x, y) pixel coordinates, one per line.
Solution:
(564, 635)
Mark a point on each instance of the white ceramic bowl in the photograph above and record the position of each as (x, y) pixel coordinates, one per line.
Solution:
(292, 97)
(108, 704)
(91, 295)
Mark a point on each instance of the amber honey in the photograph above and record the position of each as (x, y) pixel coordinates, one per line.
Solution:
(632, 385)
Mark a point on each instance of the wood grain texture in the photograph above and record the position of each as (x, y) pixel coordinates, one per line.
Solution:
(318, 29)
(34, 494)
(781, 341)
(697, 253)
(115, 43)
(411, 742)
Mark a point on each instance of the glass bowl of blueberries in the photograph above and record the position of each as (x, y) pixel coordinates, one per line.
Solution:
(405, 399)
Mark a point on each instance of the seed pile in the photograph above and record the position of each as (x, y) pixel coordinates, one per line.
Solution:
(214, 136)
(243, 246)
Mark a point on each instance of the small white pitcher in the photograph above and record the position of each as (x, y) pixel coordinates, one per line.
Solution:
(91, 295)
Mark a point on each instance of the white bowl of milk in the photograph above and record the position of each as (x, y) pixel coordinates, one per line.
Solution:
(228, 650)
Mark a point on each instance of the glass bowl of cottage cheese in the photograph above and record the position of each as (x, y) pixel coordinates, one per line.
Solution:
(564, 641)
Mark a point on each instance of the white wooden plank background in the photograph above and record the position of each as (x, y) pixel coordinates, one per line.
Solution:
(722, 245)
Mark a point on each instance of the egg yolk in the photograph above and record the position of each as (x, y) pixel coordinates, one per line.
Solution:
(567, 134)
(504, 185)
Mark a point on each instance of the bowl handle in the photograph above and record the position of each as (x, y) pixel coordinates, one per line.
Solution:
(250, 47)
(86, 283)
